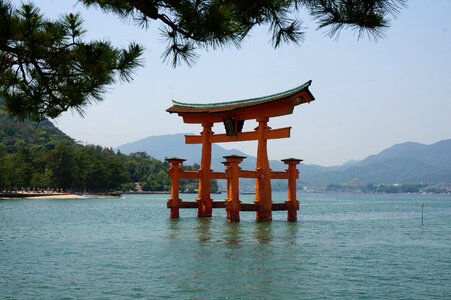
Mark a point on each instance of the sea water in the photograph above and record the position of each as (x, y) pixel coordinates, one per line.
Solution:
(345, 246)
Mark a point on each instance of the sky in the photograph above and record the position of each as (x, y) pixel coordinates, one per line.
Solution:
(369, 94)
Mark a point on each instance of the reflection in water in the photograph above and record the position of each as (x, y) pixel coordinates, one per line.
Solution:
(233, 234)
(203, 229)
(263, 232)
(292, 232)
(174, 228)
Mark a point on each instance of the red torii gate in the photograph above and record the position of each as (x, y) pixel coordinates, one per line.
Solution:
(233, 114)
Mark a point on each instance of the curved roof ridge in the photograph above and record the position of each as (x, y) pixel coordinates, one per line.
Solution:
(235, 102)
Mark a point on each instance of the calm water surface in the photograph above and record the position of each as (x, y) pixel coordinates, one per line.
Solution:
(344, 246)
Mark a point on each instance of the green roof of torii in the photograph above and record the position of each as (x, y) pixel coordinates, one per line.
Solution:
(180, 107)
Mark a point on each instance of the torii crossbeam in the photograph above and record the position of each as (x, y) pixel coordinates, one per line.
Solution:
(233, 114)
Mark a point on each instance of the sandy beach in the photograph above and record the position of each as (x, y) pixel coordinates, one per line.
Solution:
(49, 196)
(45, 196)
(25, 196)
(59, 197)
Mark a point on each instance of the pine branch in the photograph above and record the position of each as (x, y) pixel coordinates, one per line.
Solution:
(47, 68)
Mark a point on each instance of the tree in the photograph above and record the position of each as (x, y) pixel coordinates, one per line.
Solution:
(15, 171)
(2, 169)
(188, 24)
(46, 67)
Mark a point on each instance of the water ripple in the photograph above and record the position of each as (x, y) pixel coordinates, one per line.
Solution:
(344, 246)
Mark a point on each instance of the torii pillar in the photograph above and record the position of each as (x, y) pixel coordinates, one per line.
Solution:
(263, 197)
(204, 207)
(293, 174)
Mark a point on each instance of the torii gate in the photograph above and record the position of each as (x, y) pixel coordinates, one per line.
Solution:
(233, 114)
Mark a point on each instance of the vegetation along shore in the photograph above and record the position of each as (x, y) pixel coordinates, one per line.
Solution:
(39, 157)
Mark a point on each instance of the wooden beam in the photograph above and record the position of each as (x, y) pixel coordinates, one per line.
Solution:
(279, 133)
(218, 204)
(254, 207)
(187, 204)
(248, 174)
(279, 206)
(248, 207)
(189, 174)
(193, 139)
(279, 175)
(218, 175)
(243, 206)
(194, 204)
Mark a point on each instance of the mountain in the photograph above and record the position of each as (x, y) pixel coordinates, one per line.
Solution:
(173, 145)
(402, 163)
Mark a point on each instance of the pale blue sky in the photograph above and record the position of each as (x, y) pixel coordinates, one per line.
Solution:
(370, 95)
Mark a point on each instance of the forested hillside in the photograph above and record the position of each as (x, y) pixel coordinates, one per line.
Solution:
(40, 156)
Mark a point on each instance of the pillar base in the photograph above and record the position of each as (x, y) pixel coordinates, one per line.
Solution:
(174, 209)
(292, 219)
(233, 218)
(204, 208)
(174, 214)
(293, 207)
(233, 213)
(264, 216)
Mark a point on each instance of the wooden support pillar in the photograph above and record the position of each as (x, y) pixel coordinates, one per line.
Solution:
(174, 173)
(233, 189)
(293, 174)
(204, 207)
(229, 180)
(263, 197)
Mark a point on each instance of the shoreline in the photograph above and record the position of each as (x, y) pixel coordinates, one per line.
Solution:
(55, 196)
(43, 197)
(58, 197)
